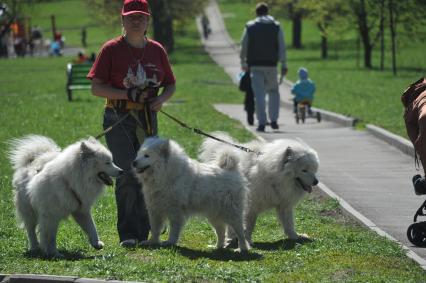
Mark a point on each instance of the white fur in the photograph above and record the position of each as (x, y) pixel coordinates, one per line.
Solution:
(277, 177)
(51, 184)
(176, 187)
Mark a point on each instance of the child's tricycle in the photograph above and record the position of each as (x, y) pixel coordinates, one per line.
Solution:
(303, 111)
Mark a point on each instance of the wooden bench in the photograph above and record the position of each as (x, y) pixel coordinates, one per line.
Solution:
(76, 78)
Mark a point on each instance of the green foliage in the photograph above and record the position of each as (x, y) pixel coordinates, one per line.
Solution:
(331, 17)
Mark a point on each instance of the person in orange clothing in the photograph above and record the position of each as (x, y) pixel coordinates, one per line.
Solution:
(414, 101)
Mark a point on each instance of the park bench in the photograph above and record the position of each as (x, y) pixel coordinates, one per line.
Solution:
(76, 78)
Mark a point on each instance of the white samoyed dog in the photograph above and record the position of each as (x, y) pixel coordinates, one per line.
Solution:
(51, 184)
(278, 177)
(176, 187)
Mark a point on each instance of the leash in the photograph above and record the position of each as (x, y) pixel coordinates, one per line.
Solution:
(195, 130)
(112, 126)
(200, 132)
(134, 115)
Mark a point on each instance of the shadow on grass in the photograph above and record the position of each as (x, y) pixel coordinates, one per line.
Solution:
(220, 255)
(67, 255)
(214, 254)
(286, 244)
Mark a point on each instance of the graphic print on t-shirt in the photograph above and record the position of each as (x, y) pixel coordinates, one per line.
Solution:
(140, 79)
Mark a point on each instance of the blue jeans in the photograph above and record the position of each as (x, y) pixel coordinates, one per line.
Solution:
(132, 218)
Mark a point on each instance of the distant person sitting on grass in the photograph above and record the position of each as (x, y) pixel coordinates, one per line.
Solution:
(55, 49)
(414, 101)
(303, 90)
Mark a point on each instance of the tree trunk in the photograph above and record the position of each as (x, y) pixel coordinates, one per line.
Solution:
(382, 34)
(324, 47)
(162, 24)
(297, 30)
(393, 34)
(364, 31)
(324, 41)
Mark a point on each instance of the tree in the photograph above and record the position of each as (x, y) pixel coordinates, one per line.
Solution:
(162, 21)
(366, 14)
(165, 15)
(393, 33)
(409, 16)
(330, 17)
(292, 10)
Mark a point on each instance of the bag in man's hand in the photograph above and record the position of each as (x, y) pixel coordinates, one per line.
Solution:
(245, 82)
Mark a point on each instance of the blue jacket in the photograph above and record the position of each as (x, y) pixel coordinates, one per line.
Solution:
(303, 90)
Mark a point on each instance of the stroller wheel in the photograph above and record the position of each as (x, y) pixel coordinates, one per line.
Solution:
(318, 117)
(416, 234)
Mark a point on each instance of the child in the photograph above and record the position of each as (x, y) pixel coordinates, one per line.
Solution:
(303, 89)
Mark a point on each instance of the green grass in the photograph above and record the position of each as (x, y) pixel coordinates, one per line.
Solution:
(373, 96)
(34, 101)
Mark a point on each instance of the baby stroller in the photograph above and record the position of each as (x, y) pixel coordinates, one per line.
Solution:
(303, 111)
(416, 232)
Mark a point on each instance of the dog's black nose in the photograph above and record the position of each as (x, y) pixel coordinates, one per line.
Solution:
(134, 164)
(120, 172)
(315, 182)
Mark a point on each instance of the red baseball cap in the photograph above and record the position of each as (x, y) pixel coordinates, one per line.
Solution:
(135, 7)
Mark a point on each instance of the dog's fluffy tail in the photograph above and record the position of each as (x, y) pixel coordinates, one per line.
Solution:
(24, 151)
(210, 148)
(227, 160)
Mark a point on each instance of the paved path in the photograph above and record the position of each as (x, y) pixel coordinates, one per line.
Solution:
(370, 177)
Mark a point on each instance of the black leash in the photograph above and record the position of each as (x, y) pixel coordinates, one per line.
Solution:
(200, 132)
(112, 126)
(195, 130)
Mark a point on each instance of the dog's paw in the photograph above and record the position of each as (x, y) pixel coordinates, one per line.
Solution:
(241, 251)
(303, 237)
(98, 245)
(231, 243)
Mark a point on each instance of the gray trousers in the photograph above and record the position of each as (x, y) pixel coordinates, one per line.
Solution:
(264, 80)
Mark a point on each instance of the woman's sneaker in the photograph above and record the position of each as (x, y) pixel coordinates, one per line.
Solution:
(419, 183)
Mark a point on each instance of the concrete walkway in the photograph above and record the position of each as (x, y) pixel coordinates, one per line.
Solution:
(370, 177)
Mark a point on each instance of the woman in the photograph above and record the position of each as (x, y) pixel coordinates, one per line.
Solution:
(128, 72)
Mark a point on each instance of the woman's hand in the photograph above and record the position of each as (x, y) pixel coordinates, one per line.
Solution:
(156, 103)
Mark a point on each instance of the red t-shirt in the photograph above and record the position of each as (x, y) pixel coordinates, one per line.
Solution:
(117, 56)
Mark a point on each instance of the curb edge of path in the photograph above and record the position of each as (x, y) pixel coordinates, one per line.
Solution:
(368, 223)
(44, 278)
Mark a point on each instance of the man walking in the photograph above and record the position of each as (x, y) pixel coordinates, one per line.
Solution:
(262, 47)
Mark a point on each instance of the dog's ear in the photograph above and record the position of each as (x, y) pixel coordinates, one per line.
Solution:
(92, 140)
(86, 151)
(165, 149)
(287, 156)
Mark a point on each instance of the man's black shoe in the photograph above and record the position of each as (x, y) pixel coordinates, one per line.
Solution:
(274, 125)
(261, 128)
(419, 183)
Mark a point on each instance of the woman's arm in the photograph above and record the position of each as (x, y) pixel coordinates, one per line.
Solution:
(99, 88)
